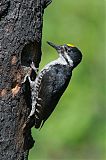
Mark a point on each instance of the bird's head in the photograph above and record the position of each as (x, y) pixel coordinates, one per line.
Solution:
(69, 52)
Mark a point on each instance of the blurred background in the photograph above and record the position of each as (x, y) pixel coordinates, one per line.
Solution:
(77, 128)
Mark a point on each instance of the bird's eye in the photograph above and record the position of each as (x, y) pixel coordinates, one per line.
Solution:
(69, 49)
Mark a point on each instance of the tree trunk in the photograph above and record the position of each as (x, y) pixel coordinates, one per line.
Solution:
(20, 41)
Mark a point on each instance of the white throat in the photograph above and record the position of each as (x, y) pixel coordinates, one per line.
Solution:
(66, 58)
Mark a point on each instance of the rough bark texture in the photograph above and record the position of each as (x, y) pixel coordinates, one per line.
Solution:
(20, 40)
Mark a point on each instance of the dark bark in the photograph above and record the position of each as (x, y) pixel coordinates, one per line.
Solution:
(20, 40)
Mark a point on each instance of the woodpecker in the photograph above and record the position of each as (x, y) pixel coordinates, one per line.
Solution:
(52, 81)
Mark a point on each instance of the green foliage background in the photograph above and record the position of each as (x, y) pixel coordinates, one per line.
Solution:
(77, 128)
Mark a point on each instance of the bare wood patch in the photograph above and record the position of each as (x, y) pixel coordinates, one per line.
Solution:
(3, 92)
(14, 60)
(15, 90)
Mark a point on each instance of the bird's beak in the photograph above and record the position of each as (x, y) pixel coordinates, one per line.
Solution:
(54, 46)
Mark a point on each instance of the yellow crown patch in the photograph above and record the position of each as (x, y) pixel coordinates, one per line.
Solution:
(70, 45)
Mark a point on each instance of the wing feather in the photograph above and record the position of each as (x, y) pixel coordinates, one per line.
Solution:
(53, 84)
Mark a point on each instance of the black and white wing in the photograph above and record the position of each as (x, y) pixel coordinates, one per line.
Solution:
(53, 84)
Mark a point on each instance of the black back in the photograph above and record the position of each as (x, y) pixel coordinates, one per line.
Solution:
(53, 85)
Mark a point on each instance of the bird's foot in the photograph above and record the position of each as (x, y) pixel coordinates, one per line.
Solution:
(34, 68)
